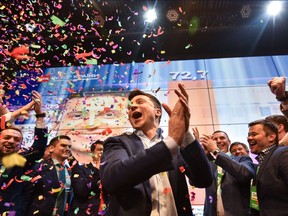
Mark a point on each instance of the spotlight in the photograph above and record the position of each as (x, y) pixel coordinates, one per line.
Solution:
(245, 11)
(150, 15)
(274, 8)
(172, 15)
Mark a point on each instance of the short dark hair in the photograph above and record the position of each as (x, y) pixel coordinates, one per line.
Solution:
(13, 128)
(268, 126)
(154, 100)
(220, 131)
(239, 143)
(278, 119)
(137, 92)
(57, 138)
(93, 145)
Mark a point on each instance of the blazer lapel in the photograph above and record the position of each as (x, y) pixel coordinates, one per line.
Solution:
(52, 172)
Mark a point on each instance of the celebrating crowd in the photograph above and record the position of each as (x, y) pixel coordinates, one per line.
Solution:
(144, 172)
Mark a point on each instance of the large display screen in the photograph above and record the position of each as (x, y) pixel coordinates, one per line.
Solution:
(89, 102)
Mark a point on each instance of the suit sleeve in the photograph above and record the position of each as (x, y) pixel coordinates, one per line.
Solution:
(283, 161)
(37, 149)
(243, 170)
(197, 165)
(83, 182)
(120, 171)
(285, 112)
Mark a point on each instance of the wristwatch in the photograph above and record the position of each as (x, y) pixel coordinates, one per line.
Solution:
(40, 115)
(283, 98)
(216, 152)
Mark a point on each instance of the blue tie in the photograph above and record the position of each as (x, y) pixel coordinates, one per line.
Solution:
(61, 199)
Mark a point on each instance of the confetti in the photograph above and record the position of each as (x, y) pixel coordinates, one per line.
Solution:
(12, 160)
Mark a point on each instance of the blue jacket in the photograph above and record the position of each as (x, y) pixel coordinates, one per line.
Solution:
(126, 168)
(235, 185)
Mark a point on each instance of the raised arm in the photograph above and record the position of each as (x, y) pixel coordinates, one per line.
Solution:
(277, 86)
(40, 137)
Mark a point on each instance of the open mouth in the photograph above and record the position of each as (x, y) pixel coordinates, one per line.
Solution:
(136, 115)
(9, 147)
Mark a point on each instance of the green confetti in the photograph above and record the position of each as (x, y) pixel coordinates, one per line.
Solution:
(92, 61)
(76, 210)
(25, 178)
(57, 21)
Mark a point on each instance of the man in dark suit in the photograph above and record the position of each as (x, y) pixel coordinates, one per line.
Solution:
(85, 181)
(12, 198)
(229, 194)
(49, 191)
(272, 172)
(143, 172)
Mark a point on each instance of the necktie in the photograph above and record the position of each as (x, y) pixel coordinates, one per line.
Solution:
(61, 199)
(220, 208)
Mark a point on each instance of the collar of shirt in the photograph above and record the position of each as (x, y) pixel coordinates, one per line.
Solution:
(261, 156)
(66, 163)
(148, 143)
(55, 162)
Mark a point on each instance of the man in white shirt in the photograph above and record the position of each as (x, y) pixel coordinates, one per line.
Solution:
(143, 172)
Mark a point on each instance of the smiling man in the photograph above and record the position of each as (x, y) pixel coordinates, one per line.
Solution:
(272, 172)
(11, 187)
(143, 172)
(229, 194)
(49, 190)
(239, 149)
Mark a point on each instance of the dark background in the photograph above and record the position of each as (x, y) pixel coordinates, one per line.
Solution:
(115, 32)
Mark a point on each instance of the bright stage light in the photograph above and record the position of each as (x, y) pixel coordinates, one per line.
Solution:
(274, 8)
(150, 15)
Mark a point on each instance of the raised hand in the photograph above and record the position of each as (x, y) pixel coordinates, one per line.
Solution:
(208, 143)
(196, 133)
(37, 98)
(179, 116)
(277, 86)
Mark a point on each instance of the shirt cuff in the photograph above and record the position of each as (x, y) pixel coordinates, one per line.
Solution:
(171, 145)
(188, 139)
(40, 123)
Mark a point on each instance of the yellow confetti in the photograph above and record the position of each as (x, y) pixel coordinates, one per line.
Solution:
(56, 190)
(14, 159)
(36, 212)
(76, 175)
(24, 112)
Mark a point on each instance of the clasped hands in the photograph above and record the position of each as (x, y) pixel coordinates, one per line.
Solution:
(179, 116)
